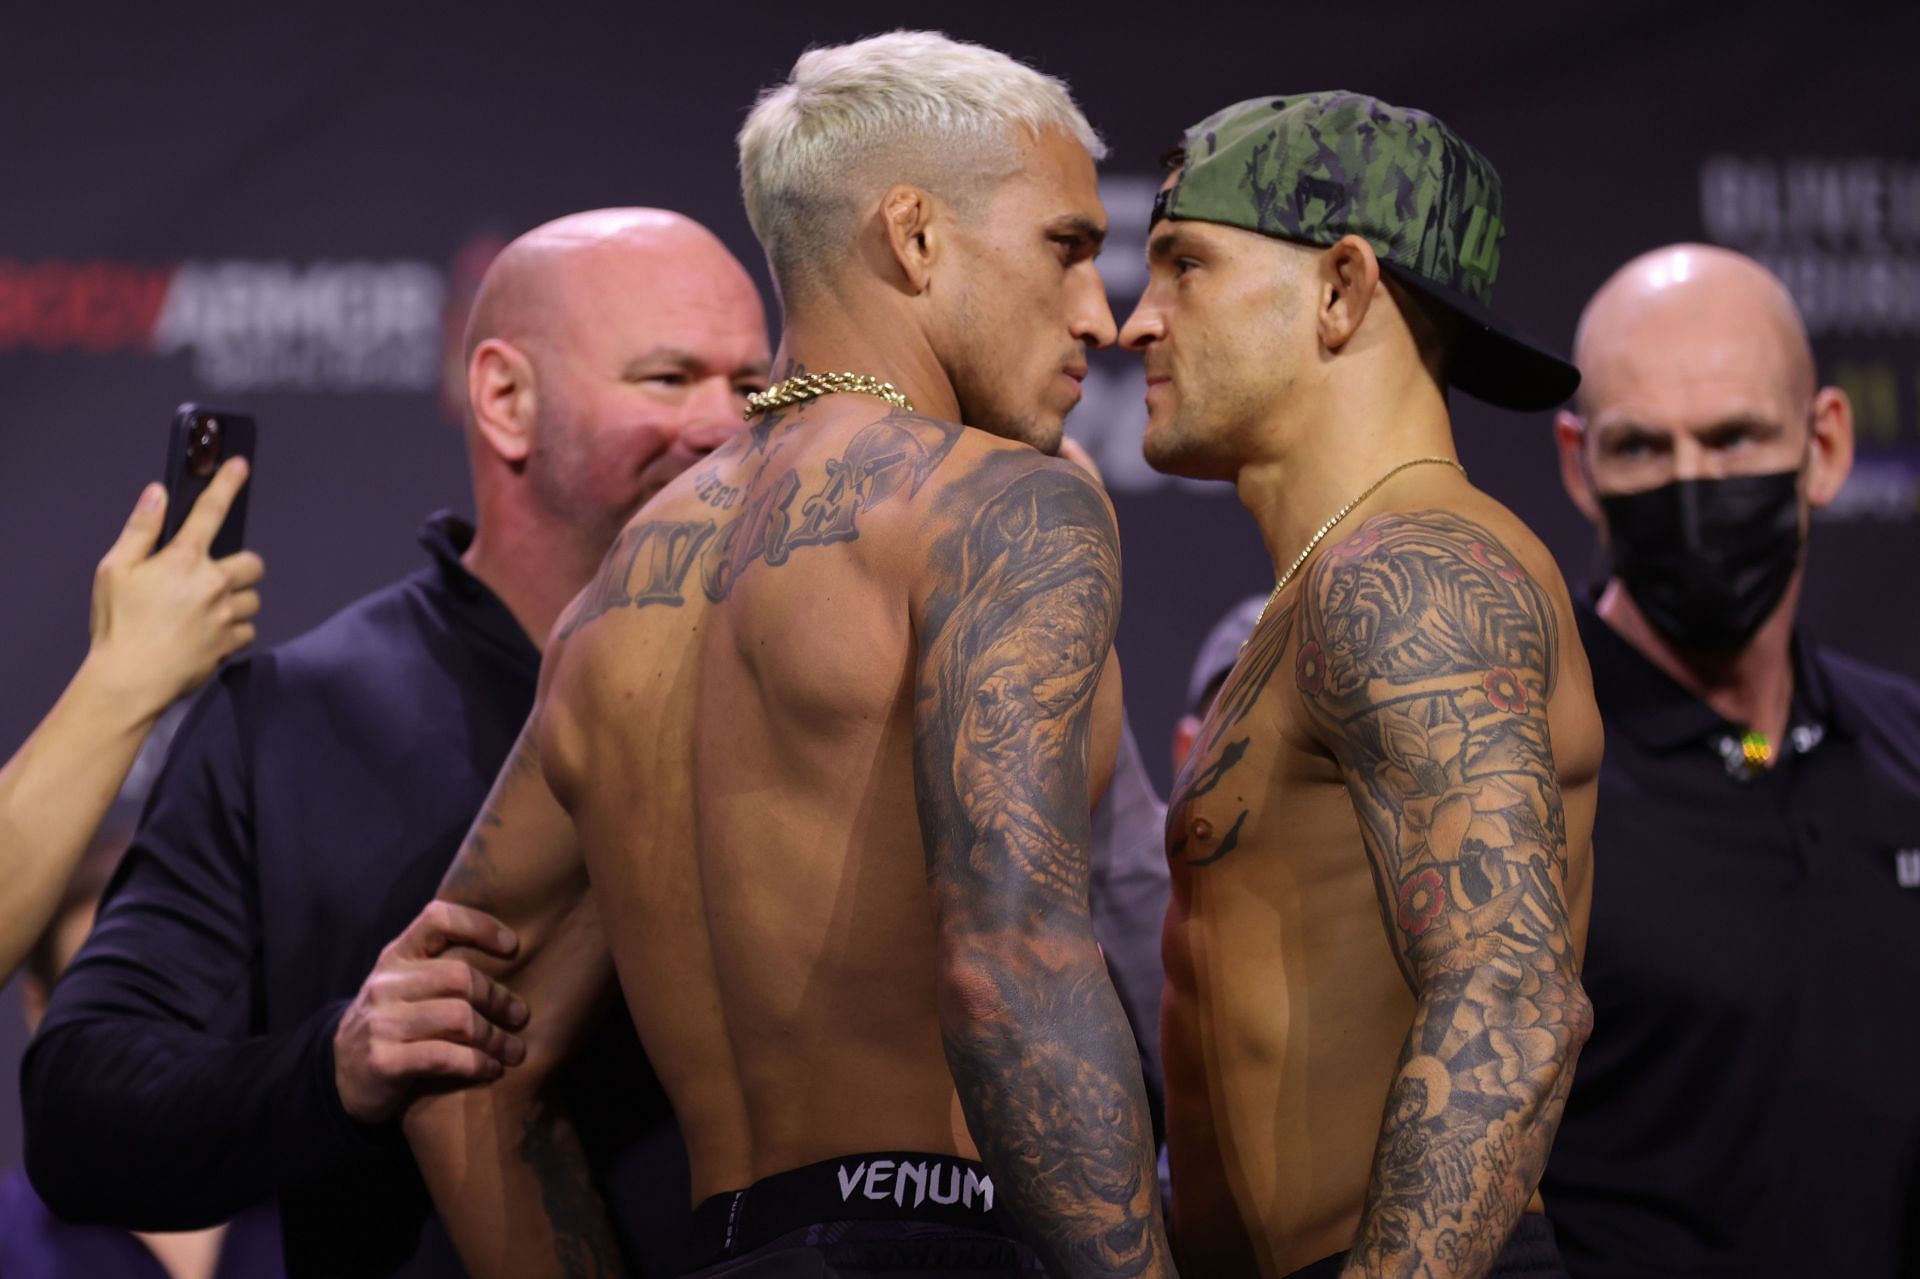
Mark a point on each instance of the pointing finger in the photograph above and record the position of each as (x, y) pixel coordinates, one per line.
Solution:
(210, 511)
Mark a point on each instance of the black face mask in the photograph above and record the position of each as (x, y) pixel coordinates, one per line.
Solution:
(1707, 560)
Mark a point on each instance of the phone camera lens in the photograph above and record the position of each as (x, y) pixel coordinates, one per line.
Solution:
(203, 447)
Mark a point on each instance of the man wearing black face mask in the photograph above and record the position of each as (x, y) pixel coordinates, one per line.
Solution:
(1746, 1105)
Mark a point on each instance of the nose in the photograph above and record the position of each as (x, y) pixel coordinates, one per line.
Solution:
(1144, 327)
(1694, 461)
(713, 417)
(1093, 318)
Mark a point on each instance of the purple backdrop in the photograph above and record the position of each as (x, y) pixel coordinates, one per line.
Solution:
(279, 212)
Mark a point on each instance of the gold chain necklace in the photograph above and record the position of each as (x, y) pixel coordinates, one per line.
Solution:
(1342, 514)
(804, 386)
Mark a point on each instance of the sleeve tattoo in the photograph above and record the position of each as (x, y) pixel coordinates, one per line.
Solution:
(1013, 640)
(1426, 659)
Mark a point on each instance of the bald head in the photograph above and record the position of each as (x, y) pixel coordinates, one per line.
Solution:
(606, 352)
(541, 284)
(1694, 364)
(1692, 314)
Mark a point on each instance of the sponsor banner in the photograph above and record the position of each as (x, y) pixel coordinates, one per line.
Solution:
(330, 326)
(1843, 234)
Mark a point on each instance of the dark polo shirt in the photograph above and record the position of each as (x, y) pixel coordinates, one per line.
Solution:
(312, 801)
(1749, 1103)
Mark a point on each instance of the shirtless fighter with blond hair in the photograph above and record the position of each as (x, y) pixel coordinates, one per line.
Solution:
(813, 759)
(1379, 841)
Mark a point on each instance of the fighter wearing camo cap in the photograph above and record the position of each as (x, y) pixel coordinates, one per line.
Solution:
(1380, 842)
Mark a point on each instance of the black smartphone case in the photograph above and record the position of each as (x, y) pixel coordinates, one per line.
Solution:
(184, 487)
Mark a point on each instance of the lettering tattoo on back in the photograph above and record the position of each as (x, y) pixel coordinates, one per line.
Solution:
(1016, 631)
(1426, 659)
(764, 519)
(715, 492)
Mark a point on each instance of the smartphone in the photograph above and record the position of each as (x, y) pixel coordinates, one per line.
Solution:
(200, 439)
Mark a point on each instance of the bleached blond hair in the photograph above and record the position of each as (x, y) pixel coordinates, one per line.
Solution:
(914, 107)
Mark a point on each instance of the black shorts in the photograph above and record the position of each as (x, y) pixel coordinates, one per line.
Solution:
(891, 1213)
(1530, 1253)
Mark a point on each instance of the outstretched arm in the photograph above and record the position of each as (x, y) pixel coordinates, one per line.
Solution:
(1427, 657)
(504, 1164)
(161, 624)
(1015, 624)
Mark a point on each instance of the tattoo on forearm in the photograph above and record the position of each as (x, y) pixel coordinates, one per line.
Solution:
(767, 519)
(1426, 659)
(469, 880)
(1015, 636)
(582, 1235)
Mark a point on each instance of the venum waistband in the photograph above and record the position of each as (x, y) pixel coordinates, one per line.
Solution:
(887, 1185)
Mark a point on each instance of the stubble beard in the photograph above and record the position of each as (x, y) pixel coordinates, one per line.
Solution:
(1030, 429)
(980, 388)
(1183, 446)
(1211, 436)
(561, 476)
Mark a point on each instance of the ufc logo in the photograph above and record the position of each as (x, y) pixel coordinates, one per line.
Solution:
(1480, 247)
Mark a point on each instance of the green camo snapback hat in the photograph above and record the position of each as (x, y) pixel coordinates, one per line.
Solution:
(1314, 167)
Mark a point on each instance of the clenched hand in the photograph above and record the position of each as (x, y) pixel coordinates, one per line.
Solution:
(423, 1017)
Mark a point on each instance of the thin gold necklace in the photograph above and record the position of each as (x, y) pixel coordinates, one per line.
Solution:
(804, 386)
(1339, 515)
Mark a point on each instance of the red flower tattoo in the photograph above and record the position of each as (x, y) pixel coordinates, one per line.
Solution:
(1357, 545)
(1505, 691)
(1310, 669)
(1486, 557)
(1422, 894)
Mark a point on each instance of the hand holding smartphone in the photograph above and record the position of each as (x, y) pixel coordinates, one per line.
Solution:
(201, 438)
(161, 623)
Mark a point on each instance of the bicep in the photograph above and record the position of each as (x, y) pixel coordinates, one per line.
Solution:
(1426, 665)
(520, 863)
(1016, 628)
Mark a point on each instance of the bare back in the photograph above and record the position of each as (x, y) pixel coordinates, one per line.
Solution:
(730, 724)
(1294, 941)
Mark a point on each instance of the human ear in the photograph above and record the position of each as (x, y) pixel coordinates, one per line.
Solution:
(1349, 278)
(1570, 437)
(1830, 451)
(908, 216)
(500, 396)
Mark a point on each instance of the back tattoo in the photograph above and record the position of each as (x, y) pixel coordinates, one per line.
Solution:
(756, 518)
